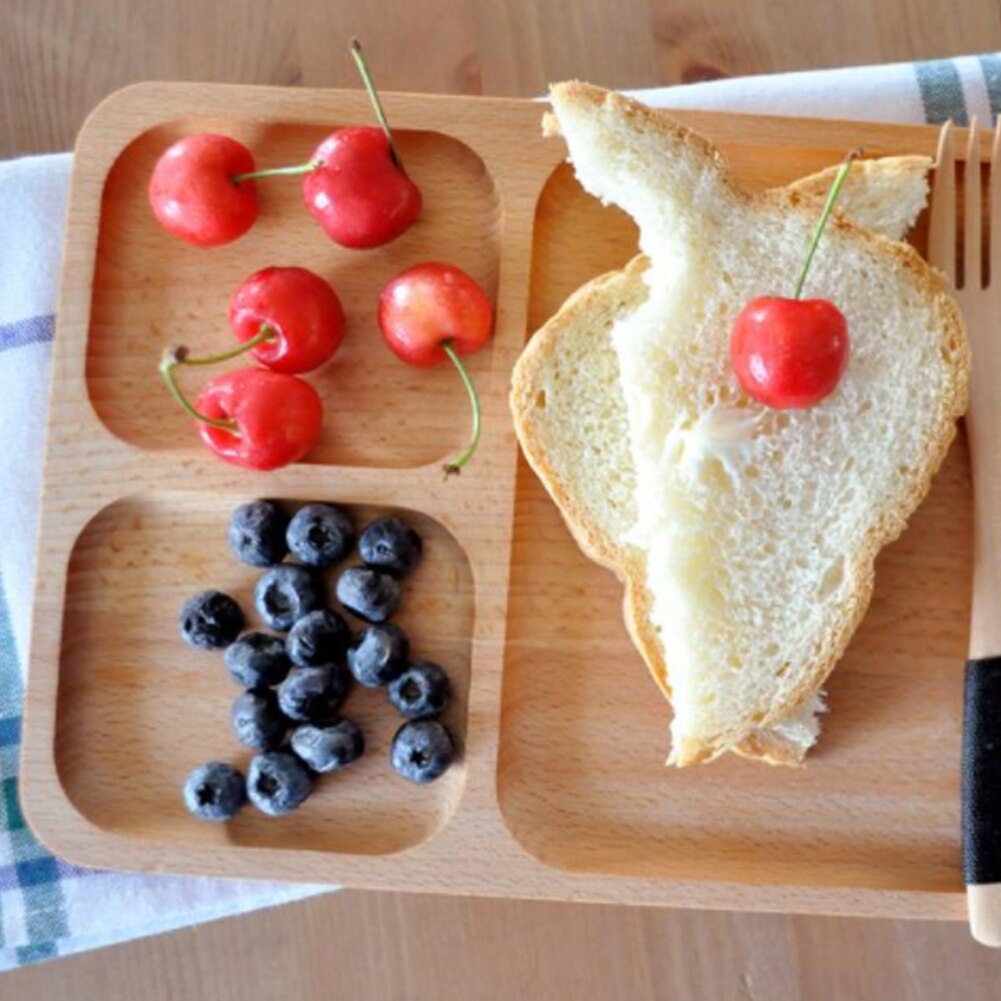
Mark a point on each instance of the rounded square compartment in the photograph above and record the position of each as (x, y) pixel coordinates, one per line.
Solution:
(138, 708)
(151, 290)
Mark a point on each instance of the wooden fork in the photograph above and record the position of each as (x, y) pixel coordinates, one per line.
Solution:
(980, 302)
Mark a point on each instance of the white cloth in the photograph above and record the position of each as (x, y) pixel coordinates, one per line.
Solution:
(897, 92)
(32, 206)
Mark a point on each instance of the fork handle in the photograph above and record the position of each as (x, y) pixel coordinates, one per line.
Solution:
(981, 774)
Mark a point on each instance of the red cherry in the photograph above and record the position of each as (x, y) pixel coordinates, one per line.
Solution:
(430, 304)
(789, 353)
(359, 194)
(193, 194)
(431, 312)
(302, 311)
(276, 417)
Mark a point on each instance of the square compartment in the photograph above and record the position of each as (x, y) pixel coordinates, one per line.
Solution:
(138, 708)
(151, 290)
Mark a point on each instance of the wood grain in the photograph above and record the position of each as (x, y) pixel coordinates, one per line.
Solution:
(110, 297)
(57, 59)
(165, 294)
(147, 546)
(734, 38)
(394, 947)
(979, 304)
(549, 800)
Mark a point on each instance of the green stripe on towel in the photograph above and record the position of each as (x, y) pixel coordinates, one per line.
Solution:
(34, 870)
(941, 92)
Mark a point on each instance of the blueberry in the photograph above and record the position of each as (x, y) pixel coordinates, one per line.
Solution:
(330, 747)
(257, 533)
(278, 782)
(210, 620)
(390, 544)
(379, 655)
(421, 690)
(284, 595)
(313, 694)
(422, 750)
(257, 721)
(257, 660)
(215, 791)
(369, 594)
(320, 534)
(318, 639)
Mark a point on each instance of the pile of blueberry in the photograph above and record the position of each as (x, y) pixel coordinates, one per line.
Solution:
(294, 687)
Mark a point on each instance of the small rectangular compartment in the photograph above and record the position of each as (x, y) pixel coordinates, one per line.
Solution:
(138, 708)
(151, 291)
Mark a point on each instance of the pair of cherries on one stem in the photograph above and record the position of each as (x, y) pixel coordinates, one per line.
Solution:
(203, 188)
(292, 322)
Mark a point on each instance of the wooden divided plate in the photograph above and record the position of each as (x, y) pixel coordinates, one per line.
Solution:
(561, 790)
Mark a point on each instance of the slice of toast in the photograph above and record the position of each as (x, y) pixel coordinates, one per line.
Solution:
(758, 529)
(571, 415)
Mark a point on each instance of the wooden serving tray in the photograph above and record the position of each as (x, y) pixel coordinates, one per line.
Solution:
(561, 791)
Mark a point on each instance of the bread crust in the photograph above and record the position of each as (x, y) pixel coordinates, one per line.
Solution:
(627, 562)
(612, 295)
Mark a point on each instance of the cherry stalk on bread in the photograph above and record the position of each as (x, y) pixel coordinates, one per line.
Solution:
(203, 187)
(253, 417)
(433, 312)
(789, 354)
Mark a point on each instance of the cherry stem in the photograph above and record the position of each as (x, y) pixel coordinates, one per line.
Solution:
(455, 466)
(170, 360)
(178, 355)
(373, 96)
(818, 230)
(266, 333)
(301, 168)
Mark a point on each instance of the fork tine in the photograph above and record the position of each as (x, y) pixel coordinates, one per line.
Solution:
(942, 228)
(994, 194)
(972, 240)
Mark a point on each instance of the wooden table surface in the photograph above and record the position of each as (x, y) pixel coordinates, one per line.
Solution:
(57, 59)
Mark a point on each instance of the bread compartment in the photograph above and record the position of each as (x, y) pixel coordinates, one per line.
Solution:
(138, 708)
(151, 290)
(585, 730)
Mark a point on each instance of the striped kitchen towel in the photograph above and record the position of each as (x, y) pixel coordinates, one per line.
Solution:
(48, 908)
(934, 92)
